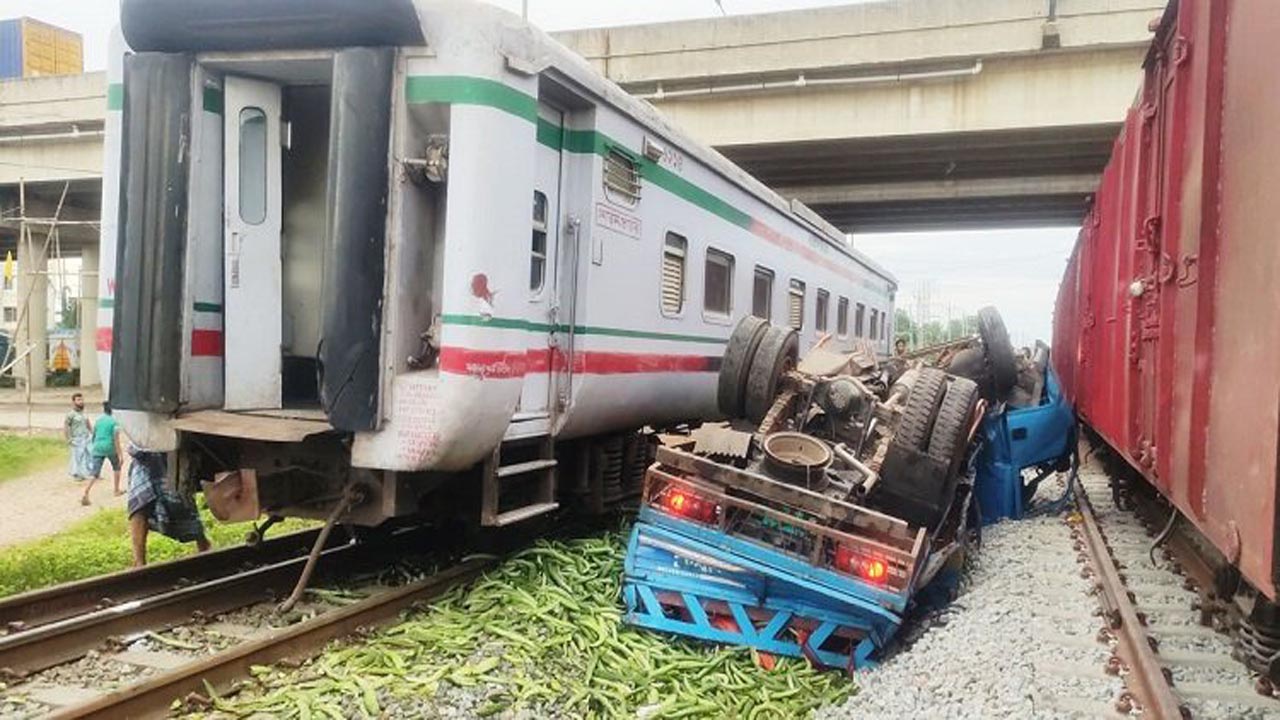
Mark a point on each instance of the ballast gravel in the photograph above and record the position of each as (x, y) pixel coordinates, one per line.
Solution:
(1019, 641)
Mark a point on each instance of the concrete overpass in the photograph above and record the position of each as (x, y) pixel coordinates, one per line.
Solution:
(51, 132)
(901, 114)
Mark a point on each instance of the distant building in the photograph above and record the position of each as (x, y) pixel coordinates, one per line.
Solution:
(30, 48)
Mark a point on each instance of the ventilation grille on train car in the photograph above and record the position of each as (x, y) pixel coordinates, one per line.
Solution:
(621, 177)
(795, 304)
(673, 254)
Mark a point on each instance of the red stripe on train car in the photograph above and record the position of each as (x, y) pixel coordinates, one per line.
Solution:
(206, 343)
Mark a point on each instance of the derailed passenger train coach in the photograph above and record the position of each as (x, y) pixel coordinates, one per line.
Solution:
(1166, 331)
(407, 252)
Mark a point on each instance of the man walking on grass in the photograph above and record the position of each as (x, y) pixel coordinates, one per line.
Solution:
(105, 448)
(154, 505)
(78, 431)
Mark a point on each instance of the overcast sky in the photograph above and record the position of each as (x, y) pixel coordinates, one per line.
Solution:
(1015, 270)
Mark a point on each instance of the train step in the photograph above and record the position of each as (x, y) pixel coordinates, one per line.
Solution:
(519, 482)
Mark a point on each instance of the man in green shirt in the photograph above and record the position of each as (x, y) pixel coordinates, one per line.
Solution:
(105, 448)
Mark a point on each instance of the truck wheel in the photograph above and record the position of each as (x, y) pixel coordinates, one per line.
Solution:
(734, 368)
(950, 435)
(919, 410)
(778, 352)
(999, 351)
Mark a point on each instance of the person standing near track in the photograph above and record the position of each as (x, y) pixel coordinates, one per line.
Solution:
(78, 432)
(154, 505)
(105, 448)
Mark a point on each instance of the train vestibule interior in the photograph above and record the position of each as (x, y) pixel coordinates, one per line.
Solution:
(276, 120)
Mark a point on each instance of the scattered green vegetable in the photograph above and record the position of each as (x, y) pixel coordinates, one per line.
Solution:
(539, 636)
(100, 544)
(22, 454)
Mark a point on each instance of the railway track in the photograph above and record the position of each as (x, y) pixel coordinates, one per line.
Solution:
(187, 623)
(1175, 661)
(32, 609)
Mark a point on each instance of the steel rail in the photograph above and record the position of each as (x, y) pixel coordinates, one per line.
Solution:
(54, 643)
(38, 607)
(1146, 677)
(154, 697)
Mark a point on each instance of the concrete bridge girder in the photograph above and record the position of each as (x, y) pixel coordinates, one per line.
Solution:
(930, 94)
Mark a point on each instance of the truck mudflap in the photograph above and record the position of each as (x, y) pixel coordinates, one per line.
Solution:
(696, 582)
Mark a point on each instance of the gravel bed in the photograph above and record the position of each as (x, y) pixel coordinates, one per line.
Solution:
(1019, 641)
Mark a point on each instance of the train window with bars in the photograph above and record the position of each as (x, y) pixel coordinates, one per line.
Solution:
(842, 317)
(717, 286)
(820, 310)
(875, 322)
(859, 321)
(673, 253)
(762, 293)
(795, 304)
(538, 250)
(621, 177)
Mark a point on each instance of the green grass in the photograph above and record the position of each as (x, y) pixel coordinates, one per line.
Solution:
(100, 544)
(20, 455)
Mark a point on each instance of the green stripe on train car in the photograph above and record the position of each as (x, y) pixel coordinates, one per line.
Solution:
(531, 326)
(470, 91)
(212, 99)
(115, 97)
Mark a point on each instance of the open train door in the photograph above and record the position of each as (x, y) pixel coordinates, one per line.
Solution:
(251, 243)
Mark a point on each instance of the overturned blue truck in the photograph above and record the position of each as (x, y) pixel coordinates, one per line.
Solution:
(842, 485)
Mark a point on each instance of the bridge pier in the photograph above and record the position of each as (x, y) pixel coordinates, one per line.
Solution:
(33, 325)
(89, 375)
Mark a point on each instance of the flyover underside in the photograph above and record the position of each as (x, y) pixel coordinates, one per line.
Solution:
(1007, 178)
(81, 209)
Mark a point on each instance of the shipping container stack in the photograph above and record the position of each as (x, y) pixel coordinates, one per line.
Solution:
(30, 48)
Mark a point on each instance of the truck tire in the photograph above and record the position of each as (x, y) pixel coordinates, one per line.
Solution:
(778, 352)
(919, 410)
(998, 350)
(950, 435)
(736, 364)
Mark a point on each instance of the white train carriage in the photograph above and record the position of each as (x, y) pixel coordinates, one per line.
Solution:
(387, 242)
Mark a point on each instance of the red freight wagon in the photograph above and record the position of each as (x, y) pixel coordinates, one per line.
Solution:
(1167, 326)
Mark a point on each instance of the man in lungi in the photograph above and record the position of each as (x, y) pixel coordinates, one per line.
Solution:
(78, 432)
(154, 505)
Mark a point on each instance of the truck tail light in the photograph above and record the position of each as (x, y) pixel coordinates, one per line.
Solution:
(688, 505)
(860, 566)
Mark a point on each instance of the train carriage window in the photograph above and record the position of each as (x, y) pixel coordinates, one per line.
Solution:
(842, 317)
(859, 321)
(538, 251)
(884, 325)
(621, 177)
(875, 322)
(820, 310)
(673, 254)
(795, 304)
(762, 293)
(253, 165)
(717, 285)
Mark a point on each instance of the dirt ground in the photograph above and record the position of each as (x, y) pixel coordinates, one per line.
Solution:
(48, 501)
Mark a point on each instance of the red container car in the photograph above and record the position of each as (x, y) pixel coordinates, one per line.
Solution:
(1167, 325)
